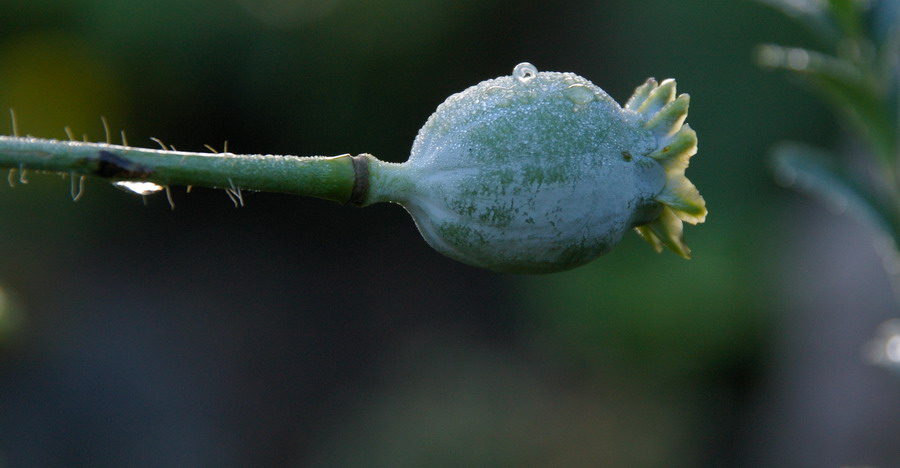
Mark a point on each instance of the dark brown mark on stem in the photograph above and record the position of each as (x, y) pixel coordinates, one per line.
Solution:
(360, 179)
(113, 166)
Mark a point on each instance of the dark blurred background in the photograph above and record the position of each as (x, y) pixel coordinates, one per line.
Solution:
(298, 332)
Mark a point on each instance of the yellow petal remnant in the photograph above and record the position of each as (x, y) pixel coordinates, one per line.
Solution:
(676, 142)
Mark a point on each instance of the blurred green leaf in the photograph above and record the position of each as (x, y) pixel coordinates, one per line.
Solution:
(812, 13)
(848, 14)
(831, 20)
(812, 170)
(853, 93)
(889, 62)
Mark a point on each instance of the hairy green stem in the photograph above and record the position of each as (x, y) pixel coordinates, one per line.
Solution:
(340, 178)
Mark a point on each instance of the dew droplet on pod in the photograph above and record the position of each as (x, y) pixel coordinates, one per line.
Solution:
(525, 72)
(139, 188)
(580, 95)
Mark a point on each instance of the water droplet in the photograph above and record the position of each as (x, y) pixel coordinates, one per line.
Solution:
(140, 188)
(580, 95)
(525, 72)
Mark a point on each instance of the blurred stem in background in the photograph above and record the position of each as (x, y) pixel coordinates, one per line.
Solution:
(859, 79)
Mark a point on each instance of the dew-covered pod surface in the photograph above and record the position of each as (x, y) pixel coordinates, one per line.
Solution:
(542, 171)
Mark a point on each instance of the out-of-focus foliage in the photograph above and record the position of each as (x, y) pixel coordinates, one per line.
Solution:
(861, 81)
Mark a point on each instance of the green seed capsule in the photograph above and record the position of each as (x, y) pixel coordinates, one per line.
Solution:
(528, 173)
(541, 171)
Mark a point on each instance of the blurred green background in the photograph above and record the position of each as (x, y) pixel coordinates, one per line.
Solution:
(296, 332)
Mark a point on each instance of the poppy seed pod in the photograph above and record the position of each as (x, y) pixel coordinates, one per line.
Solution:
(542, 171)
(530, 173)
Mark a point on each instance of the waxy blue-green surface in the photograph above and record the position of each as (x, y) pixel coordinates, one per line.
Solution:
(534, 172)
